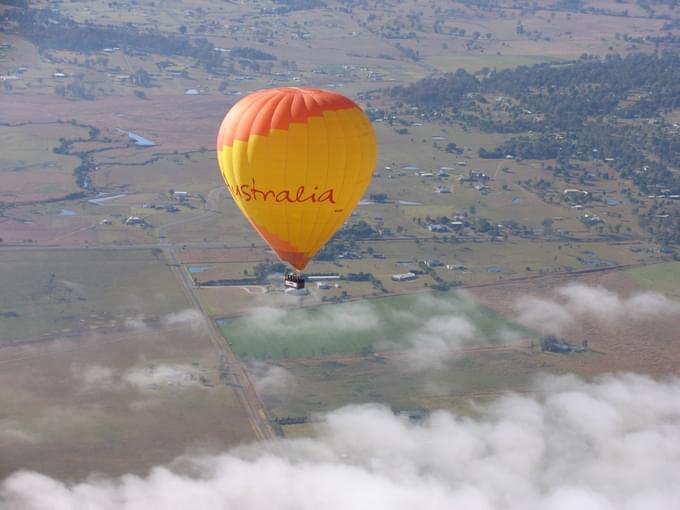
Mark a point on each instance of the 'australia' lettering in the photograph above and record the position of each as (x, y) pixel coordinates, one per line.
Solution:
(250, 192)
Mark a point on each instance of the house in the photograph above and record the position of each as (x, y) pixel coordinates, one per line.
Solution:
(437, 227)
(572, 192)
(474, 176)
(456, 267)
(433, 263)
(137, 221)
(405, 277)
(551, 343)
(591, 219)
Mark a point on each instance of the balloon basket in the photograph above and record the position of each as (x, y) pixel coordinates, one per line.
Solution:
(294, 281)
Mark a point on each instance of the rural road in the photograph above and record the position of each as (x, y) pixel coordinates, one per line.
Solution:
(230, 366)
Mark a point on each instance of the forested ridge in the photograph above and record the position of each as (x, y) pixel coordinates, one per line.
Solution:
(609, 108)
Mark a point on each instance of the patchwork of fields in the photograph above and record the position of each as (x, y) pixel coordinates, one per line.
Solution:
(107, 360)
(367, 326)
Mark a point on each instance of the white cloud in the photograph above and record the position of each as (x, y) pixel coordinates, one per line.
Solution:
(609, 444)
(94, 377)
(544, 315)
(190, 317)
(151, 376)
(438, 338)
(13, 432)
(346, 318)
(271, 379)
(430, 330)
(135, 324)
(576, 301)
(437, 328)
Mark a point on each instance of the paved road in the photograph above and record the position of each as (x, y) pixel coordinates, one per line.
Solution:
(231, 369)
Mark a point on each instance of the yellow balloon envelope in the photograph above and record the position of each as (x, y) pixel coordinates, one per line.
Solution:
(296, 161)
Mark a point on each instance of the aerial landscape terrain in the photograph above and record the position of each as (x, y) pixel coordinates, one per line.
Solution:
(494, 326)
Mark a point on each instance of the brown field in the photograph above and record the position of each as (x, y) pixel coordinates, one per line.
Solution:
(477, 375)
(199, 117)
(50, 230)
(190, 256)
(324, 387)
(645, 346)
(61, 292)
(114, 403)
(29, 170)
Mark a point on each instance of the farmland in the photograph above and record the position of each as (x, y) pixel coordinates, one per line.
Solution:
(72, 292)
(659, 277)
(367, 326)
(120, 401)
(111, 361)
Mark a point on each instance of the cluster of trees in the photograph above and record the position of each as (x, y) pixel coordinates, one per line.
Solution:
(50, 30)
(76, 89)
(333, 248)
(298, 5)
(572, 111)
(251, 53)
(541, 147)
(264, 269)
(345, 239)
(140, 78)
(356, 231)
(87, 164)
(565, 94)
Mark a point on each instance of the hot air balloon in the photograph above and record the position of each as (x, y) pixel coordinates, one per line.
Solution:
(296, 161)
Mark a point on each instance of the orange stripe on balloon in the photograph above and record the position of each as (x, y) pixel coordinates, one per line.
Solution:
(263, 111)
(285, 250)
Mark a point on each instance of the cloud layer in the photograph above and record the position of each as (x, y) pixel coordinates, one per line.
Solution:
(94, 378)
(577, 301)
(429, 329)
(610, 444)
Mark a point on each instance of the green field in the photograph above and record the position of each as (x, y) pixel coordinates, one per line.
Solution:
(658, 277)
(324, 387)
(61, 292)
(392, 323)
